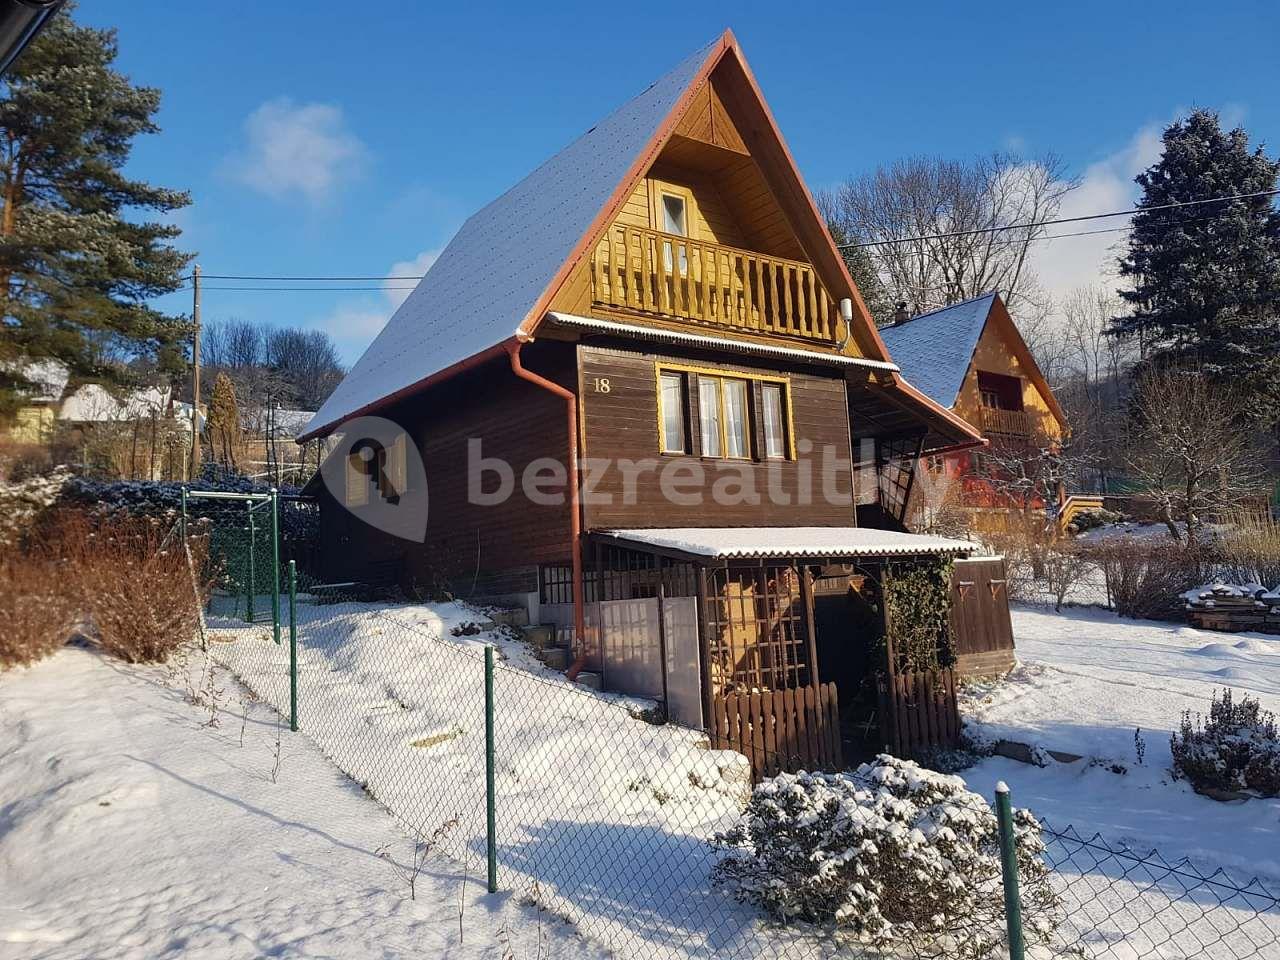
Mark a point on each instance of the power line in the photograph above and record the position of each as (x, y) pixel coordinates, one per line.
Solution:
(842, 246)
(204, 286)
(1059, 220)
(228, 276)
(1091, 233)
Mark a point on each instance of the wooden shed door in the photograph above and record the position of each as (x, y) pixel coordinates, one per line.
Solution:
(980, 616)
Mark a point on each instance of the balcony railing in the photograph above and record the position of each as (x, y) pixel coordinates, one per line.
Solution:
(646, 271)
(1012, 423)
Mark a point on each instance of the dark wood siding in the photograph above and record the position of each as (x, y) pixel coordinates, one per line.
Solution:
(496, 547)
(622, 424)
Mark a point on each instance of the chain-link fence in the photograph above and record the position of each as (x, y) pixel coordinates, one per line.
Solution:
(604, 815)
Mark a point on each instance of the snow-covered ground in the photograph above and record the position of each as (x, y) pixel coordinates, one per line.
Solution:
(601, 817)
(129, 828)
(1086, 681)
(195, 848)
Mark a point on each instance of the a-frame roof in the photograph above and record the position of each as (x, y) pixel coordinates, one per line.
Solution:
(935, 350)
(482, 288)
(493, 283)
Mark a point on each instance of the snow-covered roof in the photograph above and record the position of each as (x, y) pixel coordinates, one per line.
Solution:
(489, 278)
(48, 376)
(728, 543)
(288, 423)
(720, 343)
(93, 403)
(934, 349)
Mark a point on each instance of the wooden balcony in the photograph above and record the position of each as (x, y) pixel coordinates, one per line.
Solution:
(665, 275)
(1009, 423)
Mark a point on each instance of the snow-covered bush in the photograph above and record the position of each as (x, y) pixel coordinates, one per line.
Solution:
(1093, 519)
(23, 502)
(892, 855)
(1236, 749)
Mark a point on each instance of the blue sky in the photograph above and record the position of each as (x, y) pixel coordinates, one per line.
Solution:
(320, 141)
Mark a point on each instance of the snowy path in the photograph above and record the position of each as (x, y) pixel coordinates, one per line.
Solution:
(129, 829)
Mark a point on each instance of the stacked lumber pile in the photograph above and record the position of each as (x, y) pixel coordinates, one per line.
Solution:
(1224, 606)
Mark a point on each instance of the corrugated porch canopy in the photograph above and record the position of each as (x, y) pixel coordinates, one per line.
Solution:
(751, 543)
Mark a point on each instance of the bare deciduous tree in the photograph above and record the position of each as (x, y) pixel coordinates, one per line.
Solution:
(288, 365)
(307, 360)
(1093, 384)
(927, 196)
(1189, 450)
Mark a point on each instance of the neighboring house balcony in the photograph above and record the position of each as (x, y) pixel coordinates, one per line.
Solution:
(1006, 423)
(648, 272)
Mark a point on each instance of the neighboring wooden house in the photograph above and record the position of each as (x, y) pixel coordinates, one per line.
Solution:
(661, 292)
(970, 358)
(36, 418)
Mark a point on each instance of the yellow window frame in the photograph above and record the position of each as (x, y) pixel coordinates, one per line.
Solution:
(656, 189)
(660, 367)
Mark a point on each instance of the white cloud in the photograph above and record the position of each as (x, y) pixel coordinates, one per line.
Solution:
(1062, 265)
(354, 322)
(298, 148)
(397, 291)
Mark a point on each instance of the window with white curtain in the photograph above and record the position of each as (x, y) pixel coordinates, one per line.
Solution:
(732, 422)
(673, 407)
(709, 416)
(775, 438)
(736, 423)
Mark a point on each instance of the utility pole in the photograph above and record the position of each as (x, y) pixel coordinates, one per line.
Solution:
(195, 375)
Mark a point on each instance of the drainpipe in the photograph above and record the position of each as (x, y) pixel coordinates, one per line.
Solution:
(575, 519)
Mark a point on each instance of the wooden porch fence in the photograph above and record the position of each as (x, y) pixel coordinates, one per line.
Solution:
(918, 709)
(781, 730)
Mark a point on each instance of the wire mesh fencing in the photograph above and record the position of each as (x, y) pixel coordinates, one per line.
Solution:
(605, 815)
(244, 616)
(1122, 903)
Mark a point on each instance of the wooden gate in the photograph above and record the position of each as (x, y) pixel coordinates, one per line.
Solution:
(980, 617)
(918, 709)
(782, 730)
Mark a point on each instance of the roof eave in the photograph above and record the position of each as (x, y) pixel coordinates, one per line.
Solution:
(448, 373)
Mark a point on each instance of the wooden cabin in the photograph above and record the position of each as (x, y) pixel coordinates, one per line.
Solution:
(656, 329)
(970, 358)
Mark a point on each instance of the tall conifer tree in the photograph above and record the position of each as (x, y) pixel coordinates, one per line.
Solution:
(1206, 278)
(80, 250)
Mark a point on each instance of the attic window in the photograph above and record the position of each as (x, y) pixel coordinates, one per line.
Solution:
(674, 215)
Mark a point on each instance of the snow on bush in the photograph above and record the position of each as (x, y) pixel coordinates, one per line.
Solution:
(23, 502)
(893, 855)
(1236, 750)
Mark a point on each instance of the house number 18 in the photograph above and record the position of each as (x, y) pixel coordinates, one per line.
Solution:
(602, 385)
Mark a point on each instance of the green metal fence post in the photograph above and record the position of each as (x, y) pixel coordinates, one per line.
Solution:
(275, 563)
(248, 589)
(293, 646)
(1009, 872)
(184, 516)
(490, 811)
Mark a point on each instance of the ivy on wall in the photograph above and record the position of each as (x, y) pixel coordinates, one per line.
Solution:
(917, 598)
